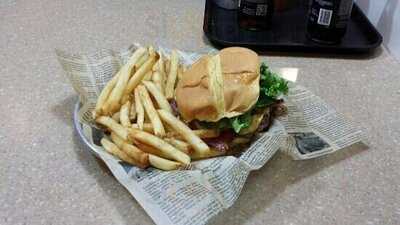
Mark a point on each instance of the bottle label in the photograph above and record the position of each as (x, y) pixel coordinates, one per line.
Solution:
(324, 17)
(261, 10)
(253, 8)
(330, 13)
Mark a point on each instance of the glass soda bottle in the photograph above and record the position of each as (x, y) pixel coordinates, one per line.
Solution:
(327, 20)
(255, 14)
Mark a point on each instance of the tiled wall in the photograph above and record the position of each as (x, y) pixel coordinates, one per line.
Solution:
(385, 15)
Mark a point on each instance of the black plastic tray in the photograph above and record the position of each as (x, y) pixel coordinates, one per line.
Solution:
(287, 33)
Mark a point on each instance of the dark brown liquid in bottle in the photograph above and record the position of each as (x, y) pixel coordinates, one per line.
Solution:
(255, 14)
(327, 20)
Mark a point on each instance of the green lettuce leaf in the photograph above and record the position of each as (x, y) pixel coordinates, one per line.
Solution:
(240, 122)
(271, 87)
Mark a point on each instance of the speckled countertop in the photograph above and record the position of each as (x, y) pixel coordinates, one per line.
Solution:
(47, 176)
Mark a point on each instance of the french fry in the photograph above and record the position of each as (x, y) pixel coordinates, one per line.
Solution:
(138, 76)
(155, 66)
(151, 50)
(131, 150)
(150, 149)
(181, 145)
(114, 150)
(163, 76)
(139, 110)
(132, 111)
(157, 80)
(171, 80)
(209, 154)
(142, 60)
(163, 164)
(151, 111)
(148, 127)
(167, 67)
(104, 95)
(113, 101)
(161, 64)
(170, 151)
(113, 126)
(124, 114)
(180, 72)
(201, 133)
(158, 96)
(198, 145)
(116, 116)
(148, 75)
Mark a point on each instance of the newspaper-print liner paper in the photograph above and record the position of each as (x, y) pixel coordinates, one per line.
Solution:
(194, 196)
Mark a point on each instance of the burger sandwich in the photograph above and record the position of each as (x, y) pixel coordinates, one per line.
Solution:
(232, 93)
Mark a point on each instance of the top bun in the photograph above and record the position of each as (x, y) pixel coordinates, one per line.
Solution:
(224, 85)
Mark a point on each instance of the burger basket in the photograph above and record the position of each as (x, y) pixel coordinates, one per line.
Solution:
(198, 193)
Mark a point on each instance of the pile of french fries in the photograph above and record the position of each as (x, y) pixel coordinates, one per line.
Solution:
(133, 107)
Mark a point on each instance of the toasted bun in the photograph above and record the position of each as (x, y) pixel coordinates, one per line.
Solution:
(224, 85)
